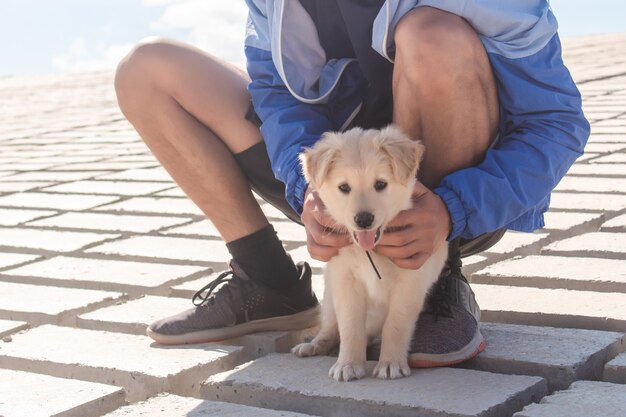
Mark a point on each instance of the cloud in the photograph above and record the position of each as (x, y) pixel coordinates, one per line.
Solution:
(217, 26)
(83, 57)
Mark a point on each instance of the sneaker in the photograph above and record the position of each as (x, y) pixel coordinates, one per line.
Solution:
(240, 306)
(447, 331)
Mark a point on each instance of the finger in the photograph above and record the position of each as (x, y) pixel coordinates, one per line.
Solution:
(399, 237)
(402, 252)
(415, 262)
(319, 252)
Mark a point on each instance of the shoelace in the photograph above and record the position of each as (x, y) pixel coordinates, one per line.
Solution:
(210, 287)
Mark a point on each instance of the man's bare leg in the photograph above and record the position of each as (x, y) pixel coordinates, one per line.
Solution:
(444, 91)
(189, 108)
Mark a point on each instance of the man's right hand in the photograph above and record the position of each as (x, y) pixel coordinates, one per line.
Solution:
(322, 238)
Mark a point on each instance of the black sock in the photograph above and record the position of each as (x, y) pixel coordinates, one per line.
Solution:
(262, 256)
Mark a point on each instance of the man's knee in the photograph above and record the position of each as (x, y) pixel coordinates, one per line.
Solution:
(139, 69)
(435, 45)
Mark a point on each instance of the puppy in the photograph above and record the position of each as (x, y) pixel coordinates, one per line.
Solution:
(365, 178)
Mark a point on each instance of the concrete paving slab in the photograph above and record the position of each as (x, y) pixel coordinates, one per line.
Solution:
(50, 240)
(175, 406)
(520, 243)
(38, 304)
(134, 362)
(615, 370)
(133, 316)
(582, 399)
(616, 158)
(605, 170)
(109, 187)
(24, 394)
(19, 186)
(10, 259)
(202, 250)
(303, 385)
(201, 228)
(587, 202)
(616, 224)
(13, 217)
(598, 184)
(561, 356)
(552, 307)
(55, 201)
(572, 273)
(161, 205)
(596, 244)
(103, 274)
(558, 220)
(8, 327)
(302, 254)
(52, 176)
(109, 222)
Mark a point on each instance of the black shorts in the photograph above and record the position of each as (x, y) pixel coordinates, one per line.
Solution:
(255, 164)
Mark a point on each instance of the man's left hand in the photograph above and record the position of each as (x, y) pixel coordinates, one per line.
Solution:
(417, 232)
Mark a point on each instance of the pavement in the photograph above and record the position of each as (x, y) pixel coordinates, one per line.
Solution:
(96, 241)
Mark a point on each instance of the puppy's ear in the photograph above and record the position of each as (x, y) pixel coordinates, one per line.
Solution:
(404, 154)
(318, 160)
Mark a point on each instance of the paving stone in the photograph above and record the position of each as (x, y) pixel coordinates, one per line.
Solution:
(303, 385)
(103, 274)
(557, 220)
(514, 241)
(552, 307)
(592, 184)
(169, 405)
(143, 369)
(13, 217)
(162, 205)
(289, 231)
(52, 176)
(8, 327)
(38, 304)
(55, 201)
(583, 398)
(587, 201)
(201, 228)
(106, 166)
(599, 244)
(48, 239)
(110, 222)
(616, 158)
(133, 316)
(173, 192)
(148, 174)
(561, 356)
(615, 370)
(605, 170)
(109, 187)
(18, 186)
(573, 273)
(617, 224)
(272, 212)
(10, 259)
(302, 254)
(24, 394)
(167, 248)
(605, 147)
(587, 156)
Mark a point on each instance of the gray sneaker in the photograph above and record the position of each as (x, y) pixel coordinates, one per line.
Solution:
(240, 306)
(447, 331)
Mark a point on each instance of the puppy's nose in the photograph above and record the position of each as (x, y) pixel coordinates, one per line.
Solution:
(364, 219)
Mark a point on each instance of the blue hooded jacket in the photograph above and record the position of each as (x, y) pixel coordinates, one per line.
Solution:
(299, 94)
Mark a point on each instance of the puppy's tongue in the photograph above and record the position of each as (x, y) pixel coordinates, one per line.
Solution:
(366, 239)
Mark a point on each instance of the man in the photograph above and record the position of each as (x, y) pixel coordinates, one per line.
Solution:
(480, 83)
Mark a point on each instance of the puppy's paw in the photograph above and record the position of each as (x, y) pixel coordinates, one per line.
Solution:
(392, 369)
(347, 371)
(305, 349)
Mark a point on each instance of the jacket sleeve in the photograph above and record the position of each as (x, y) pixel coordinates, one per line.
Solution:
(543, 131)
(288, 125)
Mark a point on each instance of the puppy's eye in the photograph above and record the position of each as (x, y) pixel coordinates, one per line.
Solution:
(344, 188)
(380, 185)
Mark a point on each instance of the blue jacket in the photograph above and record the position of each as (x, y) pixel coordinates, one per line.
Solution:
(298, 95)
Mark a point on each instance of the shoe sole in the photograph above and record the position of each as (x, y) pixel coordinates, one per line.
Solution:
(471, 350)
(298, 321)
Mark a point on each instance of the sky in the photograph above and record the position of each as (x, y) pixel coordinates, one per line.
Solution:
(58, 36)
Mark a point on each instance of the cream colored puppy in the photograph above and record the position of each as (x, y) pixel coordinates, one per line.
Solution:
(365, 178)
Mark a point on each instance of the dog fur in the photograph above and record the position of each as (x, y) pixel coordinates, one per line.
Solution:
(359, 306)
